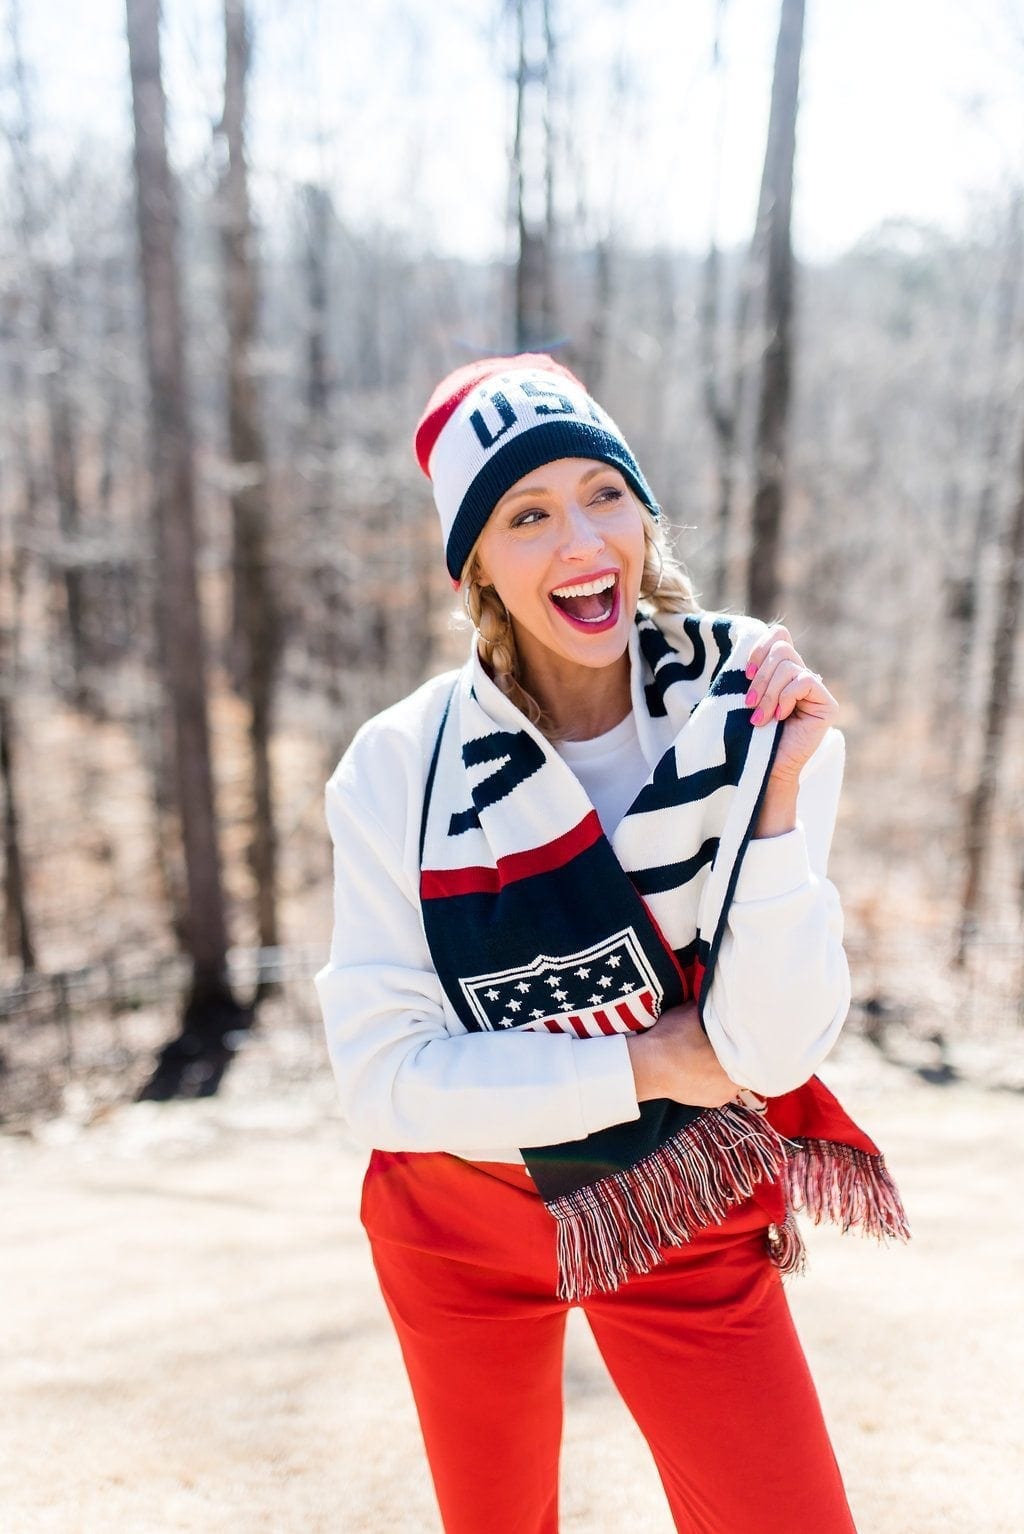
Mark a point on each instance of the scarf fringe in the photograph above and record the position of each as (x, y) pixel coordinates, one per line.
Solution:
(848, 1187)
(611, 1230)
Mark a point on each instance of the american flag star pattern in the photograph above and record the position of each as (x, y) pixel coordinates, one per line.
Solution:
(607, 988)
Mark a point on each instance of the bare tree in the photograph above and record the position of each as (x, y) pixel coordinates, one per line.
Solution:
(193, 1063)
(329, 634)
(255, 626)
(997, 417)
(533, 173)
(723, 399)
(23, 504)
(18, 941)
(317, 223)
(981, 804)
(41, 272)
(773, 402)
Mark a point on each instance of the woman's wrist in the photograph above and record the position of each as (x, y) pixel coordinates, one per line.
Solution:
(777, 814)
(643, 1052)
(674, 1059)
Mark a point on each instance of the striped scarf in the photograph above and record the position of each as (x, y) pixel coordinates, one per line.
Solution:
(536, 920)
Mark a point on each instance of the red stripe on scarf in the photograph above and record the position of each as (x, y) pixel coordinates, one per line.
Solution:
(437, 883)
(622, 1008)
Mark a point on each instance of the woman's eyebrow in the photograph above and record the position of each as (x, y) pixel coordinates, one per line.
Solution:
(531, 490)
(512, 495)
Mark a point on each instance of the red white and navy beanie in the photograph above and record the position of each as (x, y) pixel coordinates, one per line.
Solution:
(490, 422)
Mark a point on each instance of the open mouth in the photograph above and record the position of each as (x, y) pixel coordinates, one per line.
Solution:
(591, 604)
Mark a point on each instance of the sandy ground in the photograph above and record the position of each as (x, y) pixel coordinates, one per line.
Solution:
(193, 1340)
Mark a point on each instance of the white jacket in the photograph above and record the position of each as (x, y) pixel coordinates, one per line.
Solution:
(412, 1078)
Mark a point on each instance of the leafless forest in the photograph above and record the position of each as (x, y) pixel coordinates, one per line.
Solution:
(217, 555)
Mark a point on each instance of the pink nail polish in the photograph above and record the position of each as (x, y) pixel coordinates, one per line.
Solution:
(751, 699)
(756, 717)
(750, 671)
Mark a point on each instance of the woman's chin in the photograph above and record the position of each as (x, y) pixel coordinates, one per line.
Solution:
(596, 645)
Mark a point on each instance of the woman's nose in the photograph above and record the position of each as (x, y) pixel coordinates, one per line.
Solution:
(582, 538)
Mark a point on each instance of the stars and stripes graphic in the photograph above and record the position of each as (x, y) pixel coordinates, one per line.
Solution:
(607, 988)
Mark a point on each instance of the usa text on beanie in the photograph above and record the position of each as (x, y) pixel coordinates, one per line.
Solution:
(491, 422)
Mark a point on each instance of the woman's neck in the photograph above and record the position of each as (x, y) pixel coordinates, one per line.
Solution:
(580, 701)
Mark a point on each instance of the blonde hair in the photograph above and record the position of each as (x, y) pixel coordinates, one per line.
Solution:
(665, 587)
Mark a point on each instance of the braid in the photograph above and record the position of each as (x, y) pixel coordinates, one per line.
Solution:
(490, 618)
(664, 587)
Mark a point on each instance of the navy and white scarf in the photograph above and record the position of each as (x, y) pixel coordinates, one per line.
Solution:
(536, 920)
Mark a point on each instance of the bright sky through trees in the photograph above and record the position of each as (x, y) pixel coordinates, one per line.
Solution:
(910, 109)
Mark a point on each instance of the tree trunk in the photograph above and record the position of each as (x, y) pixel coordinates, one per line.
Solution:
(256, 626)
(39, 273)
(115, 401)
(17, 928)
(317, 207)
(981, 804)
(722, 414)
(329, 606)
(773, 403)
(964, 587)
(194, 1063)
(18, 941)
(724, 403)
(550, 231)
(533, 177)
(600, 320)
(64, 473)
(17, 934)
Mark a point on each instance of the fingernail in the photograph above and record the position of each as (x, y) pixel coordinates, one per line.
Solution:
(756, 717)
(751, 699)
(751, 670)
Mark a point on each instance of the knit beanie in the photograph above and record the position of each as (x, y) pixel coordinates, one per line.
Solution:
(490, 422)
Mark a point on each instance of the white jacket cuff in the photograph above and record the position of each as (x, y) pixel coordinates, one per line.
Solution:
(606, 1083)
(773, 865)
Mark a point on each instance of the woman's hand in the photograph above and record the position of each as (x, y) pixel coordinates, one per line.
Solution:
(673, 1059)
(781, 687)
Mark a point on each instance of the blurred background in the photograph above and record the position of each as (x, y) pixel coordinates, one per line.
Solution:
(239, 247)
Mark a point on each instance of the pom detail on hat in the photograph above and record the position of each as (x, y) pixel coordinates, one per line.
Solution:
(492, 421)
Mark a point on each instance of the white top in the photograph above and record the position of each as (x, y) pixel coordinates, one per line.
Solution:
(611, 768)
(411, 1077)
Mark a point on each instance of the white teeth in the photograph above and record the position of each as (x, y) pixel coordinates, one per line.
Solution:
(586, 588)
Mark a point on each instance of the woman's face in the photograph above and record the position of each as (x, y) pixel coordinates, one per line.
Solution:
(564, 549)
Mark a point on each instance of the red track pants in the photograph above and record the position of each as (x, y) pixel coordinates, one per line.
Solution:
(702, 1350)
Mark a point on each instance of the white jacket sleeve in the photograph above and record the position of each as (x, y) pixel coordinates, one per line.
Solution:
(405, 1082)
(781, 988)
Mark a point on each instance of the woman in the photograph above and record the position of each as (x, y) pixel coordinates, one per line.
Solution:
(585, 962)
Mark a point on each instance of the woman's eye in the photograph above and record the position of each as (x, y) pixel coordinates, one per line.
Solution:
(609, 494)
(526, 518)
